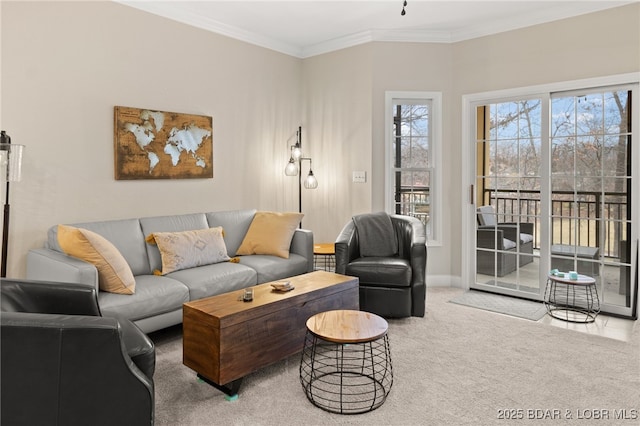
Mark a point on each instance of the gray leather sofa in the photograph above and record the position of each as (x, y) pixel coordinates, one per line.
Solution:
(157, 302)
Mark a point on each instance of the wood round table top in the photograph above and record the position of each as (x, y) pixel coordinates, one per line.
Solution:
(582, 279)
(324, 248)
(347, 326)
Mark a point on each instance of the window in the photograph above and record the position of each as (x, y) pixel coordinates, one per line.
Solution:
(412, 143)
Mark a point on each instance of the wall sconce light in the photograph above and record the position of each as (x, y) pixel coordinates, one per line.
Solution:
(294, 168)
(11, 165)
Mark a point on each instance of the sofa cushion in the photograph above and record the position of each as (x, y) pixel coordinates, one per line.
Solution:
(381, 271)
(154, 295)
(270, 233)
(185, 222)
(124, 234)
(235, 224)
(114, 274)
(271, 268)
(210, 280)
(188, 249)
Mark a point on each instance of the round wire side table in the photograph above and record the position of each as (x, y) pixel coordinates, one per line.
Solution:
(346, 361)
(572, 300)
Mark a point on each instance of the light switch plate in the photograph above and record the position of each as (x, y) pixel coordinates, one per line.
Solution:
(359, 177)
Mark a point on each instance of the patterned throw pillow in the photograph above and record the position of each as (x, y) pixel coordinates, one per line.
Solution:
(188, 249)
(270, 233)
(114, 273)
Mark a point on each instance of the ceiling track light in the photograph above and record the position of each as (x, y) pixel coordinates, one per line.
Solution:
(404, 4)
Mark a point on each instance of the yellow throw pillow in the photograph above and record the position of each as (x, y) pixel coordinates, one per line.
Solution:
(114, 273)
(270, 233)
(188, 249)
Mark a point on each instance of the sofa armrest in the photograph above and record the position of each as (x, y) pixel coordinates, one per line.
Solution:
(49, 265)
(302, 244)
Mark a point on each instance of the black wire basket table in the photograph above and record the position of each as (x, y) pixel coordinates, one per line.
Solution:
(346, 361)
(572, 300)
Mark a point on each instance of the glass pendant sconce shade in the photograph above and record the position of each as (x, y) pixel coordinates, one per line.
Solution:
(296, 152)
(311, 182)
(11, 162)
(292, 168)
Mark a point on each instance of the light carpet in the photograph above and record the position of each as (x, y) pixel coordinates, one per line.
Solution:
(455, 366)
(520, 308)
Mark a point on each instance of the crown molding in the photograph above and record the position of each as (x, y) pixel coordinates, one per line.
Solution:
(407, 36)
(171, 10)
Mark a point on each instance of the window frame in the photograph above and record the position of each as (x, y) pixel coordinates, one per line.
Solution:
(434, 232)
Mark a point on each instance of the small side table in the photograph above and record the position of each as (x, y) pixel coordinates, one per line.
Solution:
(572, 300)
(324, 256)
(346, 361)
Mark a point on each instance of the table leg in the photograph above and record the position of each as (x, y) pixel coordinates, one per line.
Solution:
(230, 388)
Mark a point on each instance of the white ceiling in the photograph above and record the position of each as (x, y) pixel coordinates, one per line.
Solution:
(305, 28)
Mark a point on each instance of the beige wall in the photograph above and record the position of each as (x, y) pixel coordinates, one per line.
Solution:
(418, 67)
(60, 83)
(337, 102)
(65, 65)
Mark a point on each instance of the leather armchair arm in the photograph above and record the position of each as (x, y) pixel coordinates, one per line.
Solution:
(47, 297)
(347, 247)
(412, 245)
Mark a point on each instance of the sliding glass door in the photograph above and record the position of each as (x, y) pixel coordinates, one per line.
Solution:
(553, 189)
(591, 195)
(508, 196)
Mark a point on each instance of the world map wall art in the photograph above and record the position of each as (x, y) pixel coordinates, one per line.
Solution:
(162, 145)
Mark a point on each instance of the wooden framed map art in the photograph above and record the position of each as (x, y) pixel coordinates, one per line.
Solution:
(162, 145)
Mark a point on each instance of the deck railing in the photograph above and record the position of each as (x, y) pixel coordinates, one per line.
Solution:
(576, 216)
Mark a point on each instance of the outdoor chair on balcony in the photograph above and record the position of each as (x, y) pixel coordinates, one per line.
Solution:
(504, 236)
(496, 255)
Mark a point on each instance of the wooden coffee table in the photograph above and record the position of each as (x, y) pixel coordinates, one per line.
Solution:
(224, 338)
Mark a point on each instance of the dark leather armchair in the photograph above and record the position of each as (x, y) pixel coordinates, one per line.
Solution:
(390, 286)
(64, 364)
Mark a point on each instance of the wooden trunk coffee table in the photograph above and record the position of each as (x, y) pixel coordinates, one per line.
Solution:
(224, 338)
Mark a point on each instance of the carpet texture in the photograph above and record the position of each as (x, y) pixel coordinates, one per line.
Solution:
(455, 366)
(501, 304)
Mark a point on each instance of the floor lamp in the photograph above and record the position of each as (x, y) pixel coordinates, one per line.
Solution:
(294, 168)
(11, 163)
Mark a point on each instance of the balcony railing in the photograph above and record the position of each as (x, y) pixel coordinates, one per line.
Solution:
(576, 218)
(414, 201)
